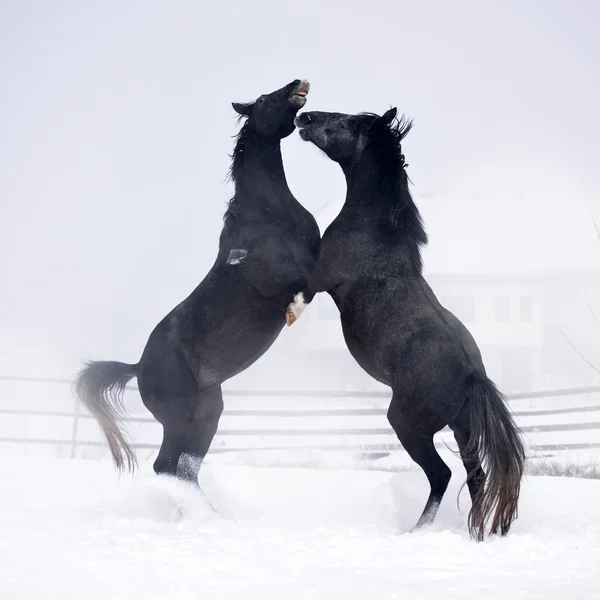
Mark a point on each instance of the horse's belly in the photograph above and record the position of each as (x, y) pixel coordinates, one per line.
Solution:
(224, 330)
(365, 351)
(250, 345)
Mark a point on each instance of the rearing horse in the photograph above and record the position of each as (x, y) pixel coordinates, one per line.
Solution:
(395, 328)
(234, 315)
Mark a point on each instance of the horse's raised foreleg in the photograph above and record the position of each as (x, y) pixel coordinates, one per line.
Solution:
(295, 309)
(319, 280)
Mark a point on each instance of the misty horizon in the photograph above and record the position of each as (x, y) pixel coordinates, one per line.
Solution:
(117, 128)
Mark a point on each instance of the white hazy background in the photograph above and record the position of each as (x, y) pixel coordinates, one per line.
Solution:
(116, 125)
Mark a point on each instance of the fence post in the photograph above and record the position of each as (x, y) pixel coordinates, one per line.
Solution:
(74, 431)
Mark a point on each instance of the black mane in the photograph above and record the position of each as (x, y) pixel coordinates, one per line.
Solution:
(233, 208)
(238, 151)
(385, 143)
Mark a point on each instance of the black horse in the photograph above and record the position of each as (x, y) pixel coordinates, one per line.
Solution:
(398, 332)
(236, 313)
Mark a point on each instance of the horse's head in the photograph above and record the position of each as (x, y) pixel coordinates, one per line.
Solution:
(343, 137)
(272, 115)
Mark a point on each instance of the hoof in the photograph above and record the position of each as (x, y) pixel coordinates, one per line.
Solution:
(290, 316)
(295, 309)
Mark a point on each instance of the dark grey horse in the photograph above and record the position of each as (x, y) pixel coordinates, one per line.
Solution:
(234, 315)
(394, 326)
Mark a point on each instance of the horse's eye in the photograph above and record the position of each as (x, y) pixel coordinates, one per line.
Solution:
(261, 99)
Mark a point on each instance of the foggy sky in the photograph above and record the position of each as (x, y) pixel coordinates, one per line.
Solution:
(116, 125)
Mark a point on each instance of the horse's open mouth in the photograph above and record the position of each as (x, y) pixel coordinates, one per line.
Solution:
(299, 94)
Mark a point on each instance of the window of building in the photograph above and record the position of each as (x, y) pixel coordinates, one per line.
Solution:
(462, 307)
(517, 369)
(502, 309)
(526, 309)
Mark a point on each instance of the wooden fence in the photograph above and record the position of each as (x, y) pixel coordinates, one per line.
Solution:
(552, 421)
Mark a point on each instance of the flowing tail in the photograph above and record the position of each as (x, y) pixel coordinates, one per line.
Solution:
(496, 440)
(99, 386)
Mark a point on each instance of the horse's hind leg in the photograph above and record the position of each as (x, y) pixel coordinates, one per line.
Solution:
(170, 451)
(169, 390)
(421, 449)
(461, 427)
(199, 433)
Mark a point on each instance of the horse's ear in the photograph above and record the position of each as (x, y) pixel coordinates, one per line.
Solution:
(245, 110)
(389, 116)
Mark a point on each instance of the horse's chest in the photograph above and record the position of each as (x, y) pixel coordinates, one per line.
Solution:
(308, 227)
(341, 254)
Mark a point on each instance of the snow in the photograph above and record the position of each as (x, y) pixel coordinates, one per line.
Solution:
(73, 529)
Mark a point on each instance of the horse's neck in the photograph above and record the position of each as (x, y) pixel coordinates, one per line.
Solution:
(372, 201)
(371, 196)
(261, 185)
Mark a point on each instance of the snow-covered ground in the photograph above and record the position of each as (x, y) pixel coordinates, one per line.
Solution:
(73, 529)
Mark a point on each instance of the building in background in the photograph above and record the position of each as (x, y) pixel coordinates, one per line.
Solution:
(514, 316)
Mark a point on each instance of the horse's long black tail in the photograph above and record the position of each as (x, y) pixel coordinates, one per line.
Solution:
(496, 441)
(100, 386)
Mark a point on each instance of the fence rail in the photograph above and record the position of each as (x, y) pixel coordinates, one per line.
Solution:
(358, 436)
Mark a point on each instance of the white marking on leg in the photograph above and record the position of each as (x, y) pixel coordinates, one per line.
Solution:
(428, 516)
(188, 466)
(236, 256)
